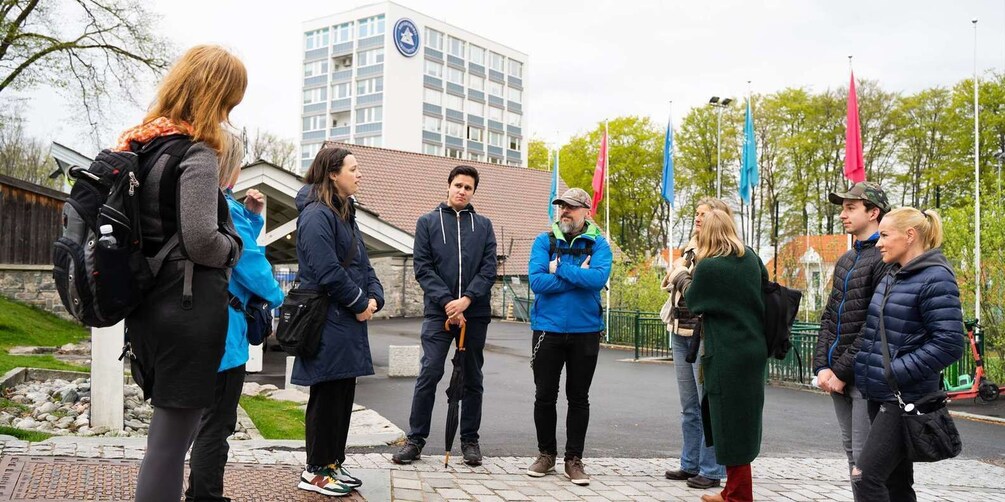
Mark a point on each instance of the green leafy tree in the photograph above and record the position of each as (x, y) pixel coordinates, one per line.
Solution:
(538, 156)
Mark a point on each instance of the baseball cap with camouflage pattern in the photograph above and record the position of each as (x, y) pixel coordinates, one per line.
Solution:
(864, 190)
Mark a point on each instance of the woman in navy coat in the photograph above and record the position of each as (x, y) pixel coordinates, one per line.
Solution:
(919, 304)
(332, 258)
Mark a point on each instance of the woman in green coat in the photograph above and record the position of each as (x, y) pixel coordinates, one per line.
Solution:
(725, 290)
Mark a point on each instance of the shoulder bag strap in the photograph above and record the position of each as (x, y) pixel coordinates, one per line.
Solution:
(887, 365)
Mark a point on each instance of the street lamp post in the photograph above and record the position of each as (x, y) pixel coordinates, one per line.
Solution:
(720, 104)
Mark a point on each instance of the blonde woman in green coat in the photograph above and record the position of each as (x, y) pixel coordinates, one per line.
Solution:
(725, 289)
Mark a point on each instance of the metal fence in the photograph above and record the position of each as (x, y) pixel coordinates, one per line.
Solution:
(643, 330)
(797, 367)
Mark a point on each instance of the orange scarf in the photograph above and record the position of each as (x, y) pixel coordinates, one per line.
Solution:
(144, 133)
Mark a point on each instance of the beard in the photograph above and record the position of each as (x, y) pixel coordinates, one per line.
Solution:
(570, 227)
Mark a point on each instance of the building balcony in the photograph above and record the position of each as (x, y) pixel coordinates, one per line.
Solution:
(514, 107)
(478, 96)
(455, 115)
(456, 62)
(316, 81)
(516, 82)
(339, 133)
(432, 137)
(370, 42)
(342, 49)
(452, 141)
(431, 109)
(314, 108)
(315, 54)
(369, 128)
(513, 130)
(475, 120)
(342, 75)
(496, 126)
(475, 146)
(369, 99)
(432, 82)
(495, 151)
(455, 89)
(341, 105)
(434, 54)
(497, 76)
(476, 69)
(369, 71)
(497, 101)
(313, 135)
(513, 154)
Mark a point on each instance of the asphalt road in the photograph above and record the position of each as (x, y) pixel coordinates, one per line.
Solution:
(634, 406)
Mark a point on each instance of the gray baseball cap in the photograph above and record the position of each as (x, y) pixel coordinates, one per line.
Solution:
(575, 197)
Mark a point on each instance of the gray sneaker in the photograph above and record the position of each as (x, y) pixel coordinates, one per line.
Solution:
(574, 471)
(544, 464)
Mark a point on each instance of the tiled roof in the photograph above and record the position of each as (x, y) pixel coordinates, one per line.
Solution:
(401, 186)
(790, 270)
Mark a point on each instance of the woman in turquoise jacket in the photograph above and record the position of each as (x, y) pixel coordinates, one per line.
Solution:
(252, 276)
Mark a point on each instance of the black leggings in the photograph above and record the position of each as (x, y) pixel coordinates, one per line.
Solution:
(162, 472)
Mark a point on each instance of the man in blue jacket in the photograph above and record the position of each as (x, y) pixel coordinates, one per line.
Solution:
(569, 266)
(454, 257)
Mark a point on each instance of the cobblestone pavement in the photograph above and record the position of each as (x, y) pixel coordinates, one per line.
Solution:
(503, 478)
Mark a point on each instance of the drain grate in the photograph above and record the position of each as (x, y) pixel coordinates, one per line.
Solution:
(61, 479)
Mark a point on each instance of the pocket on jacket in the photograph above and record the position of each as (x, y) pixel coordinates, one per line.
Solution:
(709, 380)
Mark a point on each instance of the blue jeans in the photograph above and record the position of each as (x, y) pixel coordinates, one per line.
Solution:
(694, 456)
(436, 345)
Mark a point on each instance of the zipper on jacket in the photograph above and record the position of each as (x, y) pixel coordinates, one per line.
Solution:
(460, 259)
(844, 296)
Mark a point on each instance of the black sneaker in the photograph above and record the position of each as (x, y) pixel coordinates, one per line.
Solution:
(472, 453)
(703, 483)
(411, 451)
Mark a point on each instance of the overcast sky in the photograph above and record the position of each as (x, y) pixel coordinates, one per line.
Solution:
(591, 60)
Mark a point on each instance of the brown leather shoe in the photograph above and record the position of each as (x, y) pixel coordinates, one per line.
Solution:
(711, 498)
(680, 475)
(702, 483)
(575, 472)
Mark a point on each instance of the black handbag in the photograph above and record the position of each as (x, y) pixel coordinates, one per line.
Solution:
(301, 320)
(929, 432)
(303, 312)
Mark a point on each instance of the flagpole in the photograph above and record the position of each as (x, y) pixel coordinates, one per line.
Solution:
(670, 223)
(977, 189)
(852, 72)
(607, 225)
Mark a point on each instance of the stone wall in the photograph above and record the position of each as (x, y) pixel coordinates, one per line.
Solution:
(32, 284)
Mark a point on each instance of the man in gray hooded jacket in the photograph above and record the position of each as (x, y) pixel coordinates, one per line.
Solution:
(455, 263)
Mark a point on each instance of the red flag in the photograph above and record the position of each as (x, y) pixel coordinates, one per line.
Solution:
(854, 165)
(599, 174)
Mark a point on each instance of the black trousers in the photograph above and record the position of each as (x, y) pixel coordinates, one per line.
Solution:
(887, 475)
(578, 353)
(209, 452)
(328, 412)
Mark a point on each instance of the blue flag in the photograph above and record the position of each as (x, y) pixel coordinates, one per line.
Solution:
(554, 190)
(667, 191)
(748, 165)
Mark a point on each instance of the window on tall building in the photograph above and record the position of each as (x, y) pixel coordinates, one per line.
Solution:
(376, 141)
(494, 160)
(316, 39)
(476, 83)
(455, 103)
(434, 39)
(515, 68)
(432, 96)
(434, 69)
(369, 86)
(454, 153)
(497, 62)
(371, 26)
(369, 115)
(514, 119)
(454, 75)
(316, 68)
(314, 123)
(309, 151)
(474, 134)
(370, 57)
(455, 129)
(476, 55)
(340, 91)
(430, 149)
(496, 89)
(515, 95)
(495, 114)
(343, 33)
(455, 47)
(496, 138)
(477, 157)
(514, 143)
(432, 124)
(315, 95)
(475, 108)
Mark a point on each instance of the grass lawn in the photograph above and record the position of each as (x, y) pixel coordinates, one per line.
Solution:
(33, 436)
(24, 325)
(275, 419)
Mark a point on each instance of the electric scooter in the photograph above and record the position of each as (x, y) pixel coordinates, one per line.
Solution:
(968, 387)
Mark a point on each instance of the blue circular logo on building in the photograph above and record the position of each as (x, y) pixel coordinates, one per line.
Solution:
(406, 37)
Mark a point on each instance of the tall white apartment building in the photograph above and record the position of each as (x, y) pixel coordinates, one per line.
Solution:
(385, 75)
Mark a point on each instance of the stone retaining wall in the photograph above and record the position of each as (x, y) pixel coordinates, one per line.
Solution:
(32, 284)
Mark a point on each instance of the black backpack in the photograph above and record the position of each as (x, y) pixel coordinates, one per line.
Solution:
(101, 279)
(570, 251)
(781, 305)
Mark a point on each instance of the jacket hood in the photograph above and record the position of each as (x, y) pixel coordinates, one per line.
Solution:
(591, 231)
(930, 258)
(446, 207)
(305, 196)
